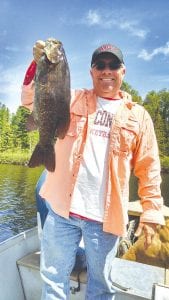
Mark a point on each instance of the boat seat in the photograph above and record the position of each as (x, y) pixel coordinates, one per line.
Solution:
(29, 271)
(124, 276)
(33, 261)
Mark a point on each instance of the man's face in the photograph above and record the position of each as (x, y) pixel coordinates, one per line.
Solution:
(107, 74)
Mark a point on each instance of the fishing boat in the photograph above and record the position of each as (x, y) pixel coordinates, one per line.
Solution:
(20, 277)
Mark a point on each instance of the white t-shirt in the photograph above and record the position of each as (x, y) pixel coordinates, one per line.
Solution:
(89, 192)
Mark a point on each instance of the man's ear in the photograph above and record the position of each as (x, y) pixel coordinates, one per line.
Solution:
(124, 70)
(91, 73)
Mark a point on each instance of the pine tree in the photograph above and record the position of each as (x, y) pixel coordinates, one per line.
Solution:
(20, 133)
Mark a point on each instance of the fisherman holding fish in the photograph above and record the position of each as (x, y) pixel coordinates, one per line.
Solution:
(87, 187)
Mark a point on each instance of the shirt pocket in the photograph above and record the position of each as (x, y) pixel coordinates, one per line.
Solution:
(76, 125)
(123, 137)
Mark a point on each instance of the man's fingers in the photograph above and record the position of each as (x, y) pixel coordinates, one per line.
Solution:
(38, 50)
(149, 230)
(139, 230)
(148, 240)
(40, 44)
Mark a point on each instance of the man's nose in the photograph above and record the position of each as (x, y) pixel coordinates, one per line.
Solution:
(107, 69)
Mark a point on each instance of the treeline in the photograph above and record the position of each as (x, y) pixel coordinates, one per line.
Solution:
(157, 104)
(15, 140)
(16, 143)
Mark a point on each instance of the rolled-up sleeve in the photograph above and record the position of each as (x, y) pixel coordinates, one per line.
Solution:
(27, 89)
(147, 169)
(27, 95)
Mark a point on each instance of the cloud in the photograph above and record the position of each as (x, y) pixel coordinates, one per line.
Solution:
(132, 29)
(111, 19)
(93, 18)
(148, 56)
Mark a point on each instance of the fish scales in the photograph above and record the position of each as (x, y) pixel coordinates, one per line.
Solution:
(51, 104)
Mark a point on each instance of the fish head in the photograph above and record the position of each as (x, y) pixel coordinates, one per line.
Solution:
(54, 50)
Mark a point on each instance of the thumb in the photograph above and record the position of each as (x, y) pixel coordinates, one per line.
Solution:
(139, 230)
(40, 44)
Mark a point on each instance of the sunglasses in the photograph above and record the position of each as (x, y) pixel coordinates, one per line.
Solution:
(101, 65)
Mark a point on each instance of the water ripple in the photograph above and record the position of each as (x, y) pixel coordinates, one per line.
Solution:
(17, 200)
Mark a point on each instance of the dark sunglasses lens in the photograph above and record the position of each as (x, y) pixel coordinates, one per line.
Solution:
(101, 65)
(114, 66)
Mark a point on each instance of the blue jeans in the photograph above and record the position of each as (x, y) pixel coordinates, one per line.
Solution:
(41, 204)
(59, 244)
(42, 209)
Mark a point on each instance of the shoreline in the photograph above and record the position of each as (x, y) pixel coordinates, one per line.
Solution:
(164, 170)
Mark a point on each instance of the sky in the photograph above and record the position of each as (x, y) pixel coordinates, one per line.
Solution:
(139, 28)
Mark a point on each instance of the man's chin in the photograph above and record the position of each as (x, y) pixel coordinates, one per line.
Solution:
(105, 94)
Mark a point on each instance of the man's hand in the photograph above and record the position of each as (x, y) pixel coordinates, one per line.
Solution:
(149, 230)
(38, 50)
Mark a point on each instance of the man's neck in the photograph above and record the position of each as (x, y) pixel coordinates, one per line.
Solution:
(111, 99)
(109, 96)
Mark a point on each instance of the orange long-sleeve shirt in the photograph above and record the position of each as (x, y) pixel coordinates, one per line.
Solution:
(133, 145)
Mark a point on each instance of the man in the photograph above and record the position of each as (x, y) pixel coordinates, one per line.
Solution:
(88, 192)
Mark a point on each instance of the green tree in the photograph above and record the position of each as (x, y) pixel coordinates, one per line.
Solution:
(164, 111)
(152, 104)
(5, 128)
(135, 96)
(20, 133)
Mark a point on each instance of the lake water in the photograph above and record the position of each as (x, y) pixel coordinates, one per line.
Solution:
(17, 202)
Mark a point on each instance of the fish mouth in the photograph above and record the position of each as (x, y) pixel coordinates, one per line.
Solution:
(54, 50)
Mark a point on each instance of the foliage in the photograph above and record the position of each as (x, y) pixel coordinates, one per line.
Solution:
(16, 143)
(157, 104)
(17, 157)
(135, 96)
(5, 128)
(18, 124)
(165, 163)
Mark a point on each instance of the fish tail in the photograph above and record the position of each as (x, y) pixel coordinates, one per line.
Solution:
(43, 155)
